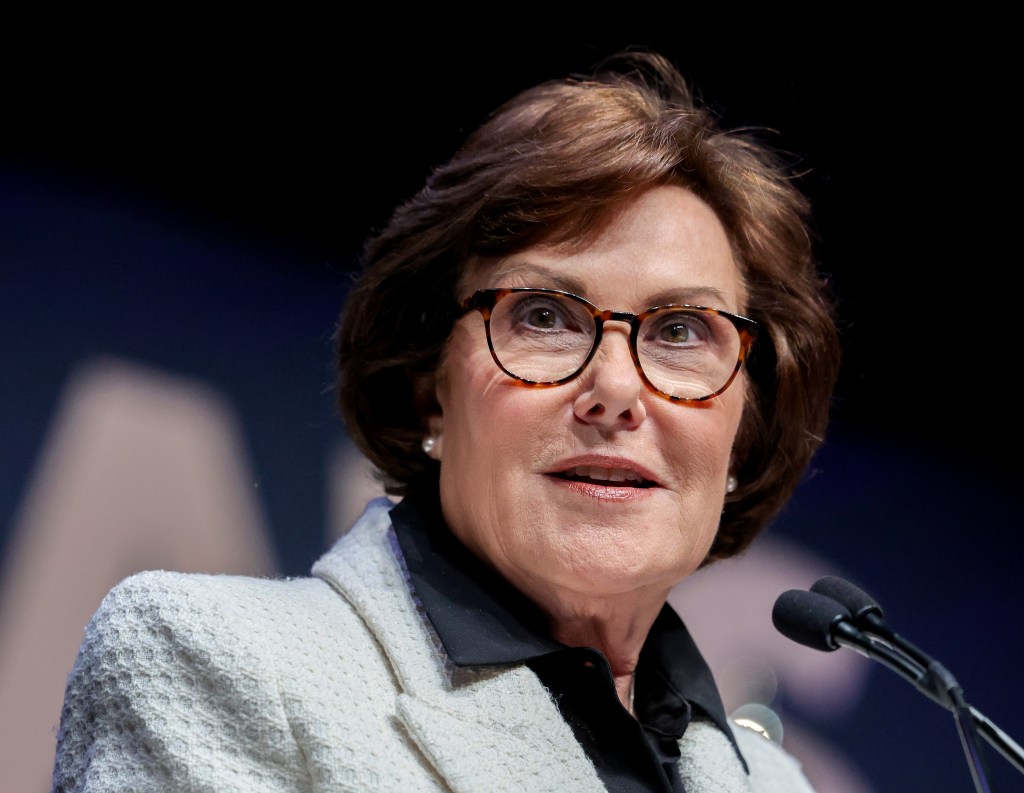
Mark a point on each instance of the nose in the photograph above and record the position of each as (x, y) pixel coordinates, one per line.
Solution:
(612, 389)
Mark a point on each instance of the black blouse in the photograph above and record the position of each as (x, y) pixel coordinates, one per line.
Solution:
(483, 621)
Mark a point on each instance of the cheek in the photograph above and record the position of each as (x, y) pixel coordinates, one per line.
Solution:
(480, 404)
(732, 406)
(701, 443)
(473, 395)
(493, 429)
(470, 397)
(705, 435)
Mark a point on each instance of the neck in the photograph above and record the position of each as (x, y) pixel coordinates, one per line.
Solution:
(618, 631)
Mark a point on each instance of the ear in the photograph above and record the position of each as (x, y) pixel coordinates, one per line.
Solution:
(435, 428)
(429, 411)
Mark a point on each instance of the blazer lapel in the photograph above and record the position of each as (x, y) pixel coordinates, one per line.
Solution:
(484, 730)
(501, 734)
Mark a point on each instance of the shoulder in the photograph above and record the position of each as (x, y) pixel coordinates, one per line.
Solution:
(171, 661)
(162, 613)
(160, 620)
(166, 660)
(158, 599)
(772, 768)
(253, 676)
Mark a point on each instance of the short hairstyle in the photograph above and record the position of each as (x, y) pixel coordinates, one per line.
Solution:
(549, 166)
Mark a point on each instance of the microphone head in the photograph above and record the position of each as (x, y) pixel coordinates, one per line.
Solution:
(857, 601)
(808, 618)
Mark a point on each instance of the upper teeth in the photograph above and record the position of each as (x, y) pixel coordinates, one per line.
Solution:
(610, 474)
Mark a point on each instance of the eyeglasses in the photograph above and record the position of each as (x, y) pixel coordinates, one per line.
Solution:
(545, 337)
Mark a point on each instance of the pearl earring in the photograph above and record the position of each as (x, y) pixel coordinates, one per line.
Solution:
(731, 484)
(428, 444)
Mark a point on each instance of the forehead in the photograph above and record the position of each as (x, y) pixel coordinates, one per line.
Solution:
(666, 246)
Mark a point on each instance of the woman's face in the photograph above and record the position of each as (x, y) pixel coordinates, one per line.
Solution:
(504, 449)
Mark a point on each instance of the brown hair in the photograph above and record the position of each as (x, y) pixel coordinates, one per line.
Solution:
(549, 166)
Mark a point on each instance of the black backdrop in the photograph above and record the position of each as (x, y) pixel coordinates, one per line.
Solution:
(298, 139)
(295, 136)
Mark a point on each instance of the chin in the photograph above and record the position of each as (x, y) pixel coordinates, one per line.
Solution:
(617, 579)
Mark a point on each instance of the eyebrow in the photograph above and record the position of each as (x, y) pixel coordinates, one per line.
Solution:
(551, 279)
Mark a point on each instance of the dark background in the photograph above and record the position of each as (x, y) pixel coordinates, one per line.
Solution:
(301, 140)
(193, 198)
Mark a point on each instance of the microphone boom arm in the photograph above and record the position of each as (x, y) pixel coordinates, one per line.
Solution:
(930, 678)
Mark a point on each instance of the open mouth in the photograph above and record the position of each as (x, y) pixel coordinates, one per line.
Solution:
(609, 477)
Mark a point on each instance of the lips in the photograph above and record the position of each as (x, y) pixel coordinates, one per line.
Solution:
(606, 474)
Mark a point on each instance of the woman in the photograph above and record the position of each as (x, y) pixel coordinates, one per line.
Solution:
(591, 355)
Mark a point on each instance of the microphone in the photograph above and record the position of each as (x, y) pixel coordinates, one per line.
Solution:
(836, 613)
(822, 623)
(866, 614)
(810, 619)
(861, 605)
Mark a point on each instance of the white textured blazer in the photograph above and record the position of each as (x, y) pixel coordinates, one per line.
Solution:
(335, 682)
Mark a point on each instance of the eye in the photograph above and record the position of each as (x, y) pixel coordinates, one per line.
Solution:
(680, 328)
(541, 317)
(544, 313)
(675, 333)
